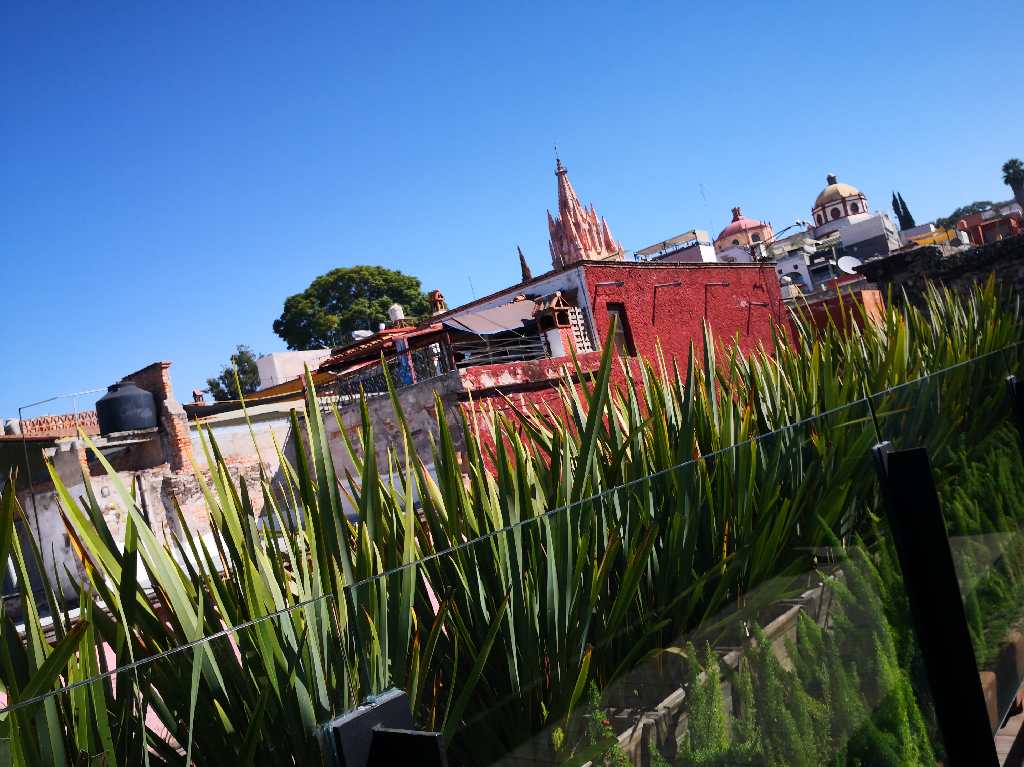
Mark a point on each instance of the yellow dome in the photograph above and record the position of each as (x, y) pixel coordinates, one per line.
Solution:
(836, 191)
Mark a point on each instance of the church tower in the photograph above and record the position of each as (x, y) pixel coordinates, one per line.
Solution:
(577, 233)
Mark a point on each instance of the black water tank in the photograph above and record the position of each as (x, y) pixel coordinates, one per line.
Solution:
(125, 407)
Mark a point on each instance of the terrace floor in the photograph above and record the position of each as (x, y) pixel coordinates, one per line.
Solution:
(1009, 744)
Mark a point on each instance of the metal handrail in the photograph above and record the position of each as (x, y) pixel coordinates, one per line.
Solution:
(486, 352)
(404, 369)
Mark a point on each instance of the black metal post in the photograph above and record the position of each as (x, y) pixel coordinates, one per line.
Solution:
(1017, 403)
(936, 606)
(380, 733)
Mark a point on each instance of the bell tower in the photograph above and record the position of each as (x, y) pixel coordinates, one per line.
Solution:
(578, 233)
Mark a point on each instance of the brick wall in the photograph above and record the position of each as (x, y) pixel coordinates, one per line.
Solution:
(156, 379)
(66, 425)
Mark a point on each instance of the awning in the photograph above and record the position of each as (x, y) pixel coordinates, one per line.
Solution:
(500, 319)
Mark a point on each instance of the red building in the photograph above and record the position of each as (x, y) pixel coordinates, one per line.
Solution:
(511, 348)
(521, 355)
(991, 225)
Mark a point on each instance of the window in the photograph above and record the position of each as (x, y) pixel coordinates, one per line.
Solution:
(836, 213)
(854, 207)
(579, 331)
(756, 237)
(735, 242)
(819, 218)
(622, 338)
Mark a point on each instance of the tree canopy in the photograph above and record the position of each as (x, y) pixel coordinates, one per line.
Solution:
(346, 299)
(223, 387)
(1013, 177)
(899, 207)
(966, 210)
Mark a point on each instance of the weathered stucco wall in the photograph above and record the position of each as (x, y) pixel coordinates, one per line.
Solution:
(417, 403)
(158, 490)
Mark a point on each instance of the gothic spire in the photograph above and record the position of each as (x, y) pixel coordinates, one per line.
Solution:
(578, 233)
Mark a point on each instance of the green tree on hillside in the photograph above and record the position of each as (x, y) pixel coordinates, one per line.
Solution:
(965, 210)
(343, 300)
(224, 387)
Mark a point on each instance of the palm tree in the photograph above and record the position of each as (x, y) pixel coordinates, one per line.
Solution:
(1013, 177)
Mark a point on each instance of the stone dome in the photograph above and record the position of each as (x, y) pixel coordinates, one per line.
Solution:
(743, 231)
(838, 200)
(836, 191)
(739, 223)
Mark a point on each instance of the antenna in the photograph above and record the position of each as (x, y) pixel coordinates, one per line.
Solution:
(848, 264)
(707, 212)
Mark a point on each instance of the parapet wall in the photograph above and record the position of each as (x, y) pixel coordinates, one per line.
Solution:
(910, 270)
(64, 425)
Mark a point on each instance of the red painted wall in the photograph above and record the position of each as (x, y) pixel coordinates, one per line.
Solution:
(746, 307)
(840, 309)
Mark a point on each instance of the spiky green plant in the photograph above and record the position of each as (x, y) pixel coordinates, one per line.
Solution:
(561, 548)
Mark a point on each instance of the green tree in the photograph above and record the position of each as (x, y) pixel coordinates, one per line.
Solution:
(224, 387)
(961, 212)
(1013, 177)
(899, 207)
(907, 219)
(343, 300)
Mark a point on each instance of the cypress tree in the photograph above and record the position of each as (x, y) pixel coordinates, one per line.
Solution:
(907, 219)
(707, 738)
(744, 730)
(524, 267)
(783, 709)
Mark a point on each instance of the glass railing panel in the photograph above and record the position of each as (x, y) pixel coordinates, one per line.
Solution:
(814, 660)
(595, 632)
(262, 693)
(965, 418)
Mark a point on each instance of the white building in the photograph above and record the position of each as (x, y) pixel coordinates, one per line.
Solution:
(693, 247)
(278, 367)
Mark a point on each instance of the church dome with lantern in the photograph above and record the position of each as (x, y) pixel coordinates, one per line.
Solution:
(743, 232)
(838, 201)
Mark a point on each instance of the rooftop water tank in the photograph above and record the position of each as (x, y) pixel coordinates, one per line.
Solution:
(125, 407)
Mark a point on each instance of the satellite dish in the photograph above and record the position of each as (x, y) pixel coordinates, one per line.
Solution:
(849, 264)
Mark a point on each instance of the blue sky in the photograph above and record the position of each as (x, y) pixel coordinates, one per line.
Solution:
(168, 175)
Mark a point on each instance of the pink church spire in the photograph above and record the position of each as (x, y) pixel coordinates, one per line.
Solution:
(578, 233)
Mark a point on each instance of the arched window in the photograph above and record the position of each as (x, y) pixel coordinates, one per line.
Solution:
(835, 213)
(735, 242)
(854, 207)
(756, 237)
(819, 218)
